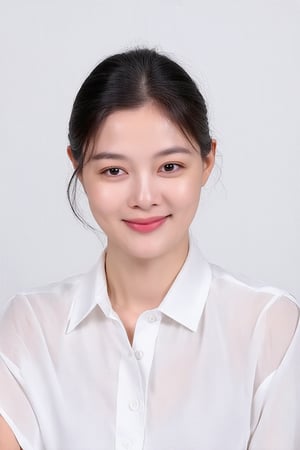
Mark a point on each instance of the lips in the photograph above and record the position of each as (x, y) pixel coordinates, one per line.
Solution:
(147, 220)
(146, 225)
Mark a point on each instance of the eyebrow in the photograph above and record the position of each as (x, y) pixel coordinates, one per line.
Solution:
(120, 156)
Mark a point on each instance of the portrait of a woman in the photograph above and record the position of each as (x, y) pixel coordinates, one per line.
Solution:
(154, 348)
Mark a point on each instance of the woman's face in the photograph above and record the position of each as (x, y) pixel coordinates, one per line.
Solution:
(143, 182)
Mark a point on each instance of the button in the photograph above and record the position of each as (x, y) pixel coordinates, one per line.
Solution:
(139, 354)
(134, 405)
(127, 444)
(152, 318)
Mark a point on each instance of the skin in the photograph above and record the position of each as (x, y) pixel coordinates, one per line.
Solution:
(7, 438)
(127, 177)
(140, 183)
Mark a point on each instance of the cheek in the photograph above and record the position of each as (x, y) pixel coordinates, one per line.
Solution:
(102, 200)
(187, 193)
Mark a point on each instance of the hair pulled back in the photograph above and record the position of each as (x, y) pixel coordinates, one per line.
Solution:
(129, 80)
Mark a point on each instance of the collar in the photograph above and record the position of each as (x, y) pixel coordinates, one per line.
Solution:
(90, 290)
(183, 303)
(187, 296)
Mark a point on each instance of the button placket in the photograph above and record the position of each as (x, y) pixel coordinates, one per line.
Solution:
(134, 405)
(133, 381)
(139, 354)
(152, 318)
(130, 408)
(127, 444)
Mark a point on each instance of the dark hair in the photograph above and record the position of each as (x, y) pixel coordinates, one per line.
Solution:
(129, 80)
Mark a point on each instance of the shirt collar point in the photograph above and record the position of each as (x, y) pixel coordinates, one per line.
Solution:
(187, 298)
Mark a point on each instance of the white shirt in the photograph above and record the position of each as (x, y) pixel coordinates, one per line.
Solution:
(215, 367)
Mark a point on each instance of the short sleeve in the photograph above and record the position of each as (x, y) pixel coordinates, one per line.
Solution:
(15, 407)
(276, 403)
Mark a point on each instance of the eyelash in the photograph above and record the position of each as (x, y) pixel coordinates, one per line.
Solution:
(107, 170)
(178, 167)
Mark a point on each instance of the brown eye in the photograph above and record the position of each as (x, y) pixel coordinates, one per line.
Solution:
(170, 167)
(114, 171)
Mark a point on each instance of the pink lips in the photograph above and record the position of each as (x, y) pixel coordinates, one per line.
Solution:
(146, 225)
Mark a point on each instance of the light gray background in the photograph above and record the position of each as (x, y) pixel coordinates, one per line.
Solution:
(245, 57)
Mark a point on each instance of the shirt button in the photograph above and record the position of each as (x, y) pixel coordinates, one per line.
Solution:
(152, 318)
(127, 445)
(134, 405)
(139, 354)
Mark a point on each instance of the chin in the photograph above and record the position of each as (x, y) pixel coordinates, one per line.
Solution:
(145, 253)
(149, 249)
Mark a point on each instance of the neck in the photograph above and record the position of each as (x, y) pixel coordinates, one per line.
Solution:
(139, 284)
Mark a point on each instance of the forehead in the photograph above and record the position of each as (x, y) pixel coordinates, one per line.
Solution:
(147, 128)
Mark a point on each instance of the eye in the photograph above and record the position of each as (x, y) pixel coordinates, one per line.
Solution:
(113, 171)
(170, 167)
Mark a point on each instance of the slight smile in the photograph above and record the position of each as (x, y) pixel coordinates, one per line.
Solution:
(146, 225)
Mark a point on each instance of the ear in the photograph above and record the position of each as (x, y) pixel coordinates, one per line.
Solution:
(73, 161)
(71, 157)
(209, 162)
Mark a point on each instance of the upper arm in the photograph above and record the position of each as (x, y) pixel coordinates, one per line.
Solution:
(7, 438)
(281, 321)
(276, 403)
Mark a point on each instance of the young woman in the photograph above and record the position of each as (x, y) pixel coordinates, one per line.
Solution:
(154, 348)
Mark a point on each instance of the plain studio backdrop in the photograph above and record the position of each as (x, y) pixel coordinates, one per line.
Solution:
(244, 56)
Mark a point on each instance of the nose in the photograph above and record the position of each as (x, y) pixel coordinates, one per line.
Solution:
(144, 192)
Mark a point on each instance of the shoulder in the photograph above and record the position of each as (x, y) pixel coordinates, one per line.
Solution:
(230, 289)
(40, 307)
(255, 316)
(254, 306)
(241, 290)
